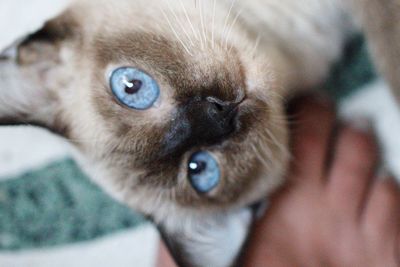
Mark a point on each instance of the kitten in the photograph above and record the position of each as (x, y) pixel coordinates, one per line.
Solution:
(178, 106)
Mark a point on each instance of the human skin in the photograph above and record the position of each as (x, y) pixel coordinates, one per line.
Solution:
(335, 211)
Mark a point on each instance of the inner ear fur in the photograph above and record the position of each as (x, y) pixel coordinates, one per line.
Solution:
(45, 44)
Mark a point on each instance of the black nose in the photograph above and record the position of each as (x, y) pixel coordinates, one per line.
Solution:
(221, 113)
(200, 122)
(212, 119)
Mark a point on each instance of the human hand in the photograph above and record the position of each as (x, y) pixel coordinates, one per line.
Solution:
(334, 210)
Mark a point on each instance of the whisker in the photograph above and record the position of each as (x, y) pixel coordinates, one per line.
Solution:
(253, 52)
(179, 22)
(271, 139)
(213, 24)
(228, 16)
(80, 140)
(175, 33)
(279, 145)
(188, 19)
(231, 28)
(202, 20)
(263, 157)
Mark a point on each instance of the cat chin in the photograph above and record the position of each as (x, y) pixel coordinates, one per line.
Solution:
(213, 240)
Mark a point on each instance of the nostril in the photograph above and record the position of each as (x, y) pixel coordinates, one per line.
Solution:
(224, 108)
(219, 107)
(215, 101)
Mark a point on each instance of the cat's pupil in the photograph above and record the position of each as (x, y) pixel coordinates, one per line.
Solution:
(197, 167)
(133, 86)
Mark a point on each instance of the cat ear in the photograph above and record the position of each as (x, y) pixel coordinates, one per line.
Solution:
(32, 72)
(213, 240)
(45, 44)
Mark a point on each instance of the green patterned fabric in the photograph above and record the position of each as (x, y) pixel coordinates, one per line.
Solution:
(57, 205)
(352, 72)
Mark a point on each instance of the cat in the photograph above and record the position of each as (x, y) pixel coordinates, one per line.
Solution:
(178, 106)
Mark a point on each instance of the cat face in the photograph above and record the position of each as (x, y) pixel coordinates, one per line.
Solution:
(171, 122)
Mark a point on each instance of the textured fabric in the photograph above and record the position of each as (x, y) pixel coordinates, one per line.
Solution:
(354, 71)
(57, 205)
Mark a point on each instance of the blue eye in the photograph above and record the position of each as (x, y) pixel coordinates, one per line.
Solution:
(204, 174)
(134, 88)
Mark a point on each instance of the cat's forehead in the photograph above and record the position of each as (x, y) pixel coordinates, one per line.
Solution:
(206, 71)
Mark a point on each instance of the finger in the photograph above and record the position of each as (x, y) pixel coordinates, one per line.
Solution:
(381, 219)
(352, 170)
(311, 132)
(266, 246)
(164, 258)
